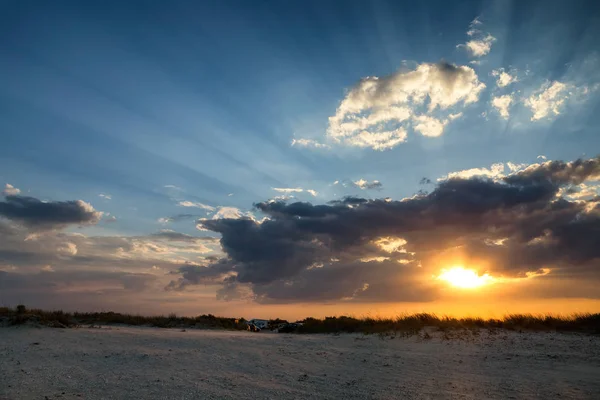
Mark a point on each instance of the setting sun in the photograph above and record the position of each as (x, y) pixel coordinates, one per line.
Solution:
(464, 278)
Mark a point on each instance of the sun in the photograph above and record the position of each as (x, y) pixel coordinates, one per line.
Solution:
(463, 278)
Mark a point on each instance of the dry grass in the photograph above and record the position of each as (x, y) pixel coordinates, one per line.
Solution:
(22, 315)
(403, 325)
(412, 324)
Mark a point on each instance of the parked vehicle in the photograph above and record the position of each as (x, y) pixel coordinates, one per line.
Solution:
(288, 328)
(256, 325)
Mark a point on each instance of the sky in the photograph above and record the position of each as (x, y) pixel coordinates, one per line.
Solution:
(300, 158)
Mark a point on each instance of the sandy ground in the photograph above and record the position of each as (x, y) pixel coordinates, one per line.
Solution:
(149, 363)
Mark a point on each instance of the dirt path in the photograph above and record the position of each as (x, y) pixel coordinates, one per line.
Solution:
(148, 363)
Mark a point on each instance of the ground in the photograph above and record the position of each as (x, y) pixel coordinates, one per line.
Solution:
(153, 363)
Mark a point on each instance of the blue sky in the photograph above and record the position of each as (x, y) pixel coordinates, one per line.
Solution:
(148, 110)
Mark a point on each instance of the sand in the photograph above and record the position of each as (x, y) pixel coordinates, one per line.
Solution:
(152, 363)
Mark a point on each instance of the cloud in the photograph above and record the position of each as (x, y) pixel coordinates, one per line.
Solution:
(548, 100)
(495, 171)
(479, 47)
(429, 126)
(502, 104)
(288, 190)
(366, 185)
(186, 203)
(377, 112)
(177, 218)
(214, 212)
(67, 249)
(503, 78)
(229, 212)
(40, 215)
(283, 197)
(461, 220)
(514, 167)
(581, 191)
(10, 190)
(49, 284)
(480, 43)
(382, 140)
(60, 268)
(309, 143)
(172, 236)
(105, 196)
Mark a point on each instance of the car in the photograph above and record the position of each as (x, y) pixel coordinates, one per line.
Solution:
(288, 328)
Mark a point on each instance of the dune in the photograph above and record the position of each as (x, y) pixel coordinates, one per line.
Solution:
(149, 363)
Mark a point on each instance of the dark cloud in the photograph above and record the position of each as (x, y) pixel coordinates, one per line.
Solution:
(40, 215)
(74, 289)
(558, 173)
(307, 252)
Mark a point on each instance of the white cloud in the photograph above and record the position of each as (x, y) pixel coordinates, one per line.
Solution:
(514, 167)
(481, 43)
(476, 21)
(479, 47)
(503, 78)
(378, 140)
(377, 111)
(502, 104)
(310, 143)
(548, 100)
(288, 190)
(295, 190)
(197, 205)
(228, 212)
(495, 171)
(105, 196)
(283, 197)
(391, 244)
(429, 126)
(366, 185)
(10, 190)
